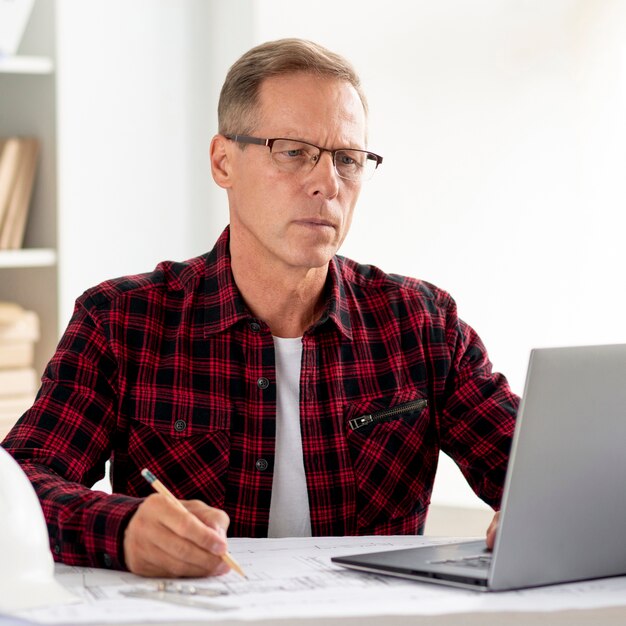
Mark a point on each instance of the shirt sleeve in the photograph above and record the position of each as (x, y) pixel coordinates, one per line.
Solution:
(63, 442)
(478, 413)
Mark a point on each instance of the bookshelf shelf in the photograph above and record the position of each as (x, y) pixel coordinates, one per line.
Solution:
(26, 65)
(33, 257)
(28, 85)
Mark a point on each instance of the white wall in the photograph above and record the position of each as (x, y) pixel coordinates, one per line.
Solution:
(501, 123)
(136, 111)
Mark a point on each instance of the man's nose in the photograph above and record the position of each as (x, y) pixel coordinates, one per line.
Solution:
(323, 177)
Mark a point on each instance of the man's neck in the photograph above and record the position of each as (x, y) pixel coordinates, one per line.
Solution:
(288, 300)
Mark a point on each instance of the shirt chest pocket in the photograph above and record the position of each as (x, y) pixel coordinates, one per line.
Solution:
(393, 449)
(189, 450)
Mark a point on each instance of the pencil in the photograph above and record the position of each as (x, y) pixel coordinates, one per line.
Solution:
(157, 485)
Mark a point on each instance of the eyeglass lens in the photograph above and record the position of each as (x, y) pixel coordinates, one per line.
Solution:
(298, 156)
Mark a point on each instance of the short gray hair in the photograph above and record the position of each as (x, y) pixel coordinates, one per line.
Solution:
(239, 98)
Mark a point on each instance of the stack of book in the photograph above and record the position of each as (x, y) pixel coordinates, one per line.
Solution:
(19, 331)
(18, 163)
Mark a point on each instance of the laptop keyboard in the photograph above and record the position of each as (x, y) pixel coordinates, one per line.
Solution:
(478, 561)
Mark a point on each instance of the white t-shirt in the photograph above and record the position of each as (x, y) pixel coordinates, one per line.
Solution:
(289, 508)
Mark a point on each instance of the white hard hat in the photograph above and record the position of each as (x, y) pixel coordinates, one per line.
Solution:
(26, 563)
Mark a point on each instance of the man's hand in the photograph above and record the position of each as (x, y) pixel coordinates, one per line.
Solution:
(492, 530)
(162, 539)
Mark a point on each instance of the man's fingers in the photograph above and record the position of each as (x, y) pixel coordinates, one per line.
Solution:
(164, 539)
(492, 531)
(157, 559)
(211, 517)
(198, 527)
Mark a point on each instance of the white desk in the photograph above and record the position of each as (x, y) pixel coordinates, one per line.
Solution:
(293, 581)
(595, 617)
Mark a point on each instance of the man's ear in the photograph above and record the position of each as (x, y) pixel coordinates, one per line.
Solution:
(220, 161)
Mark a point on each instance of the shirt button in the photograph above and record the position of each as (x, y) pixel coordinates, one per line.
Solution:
(261, 465)
(108, 561)
(180, 425)
(263, 383)
(57, 548)
(255, 327)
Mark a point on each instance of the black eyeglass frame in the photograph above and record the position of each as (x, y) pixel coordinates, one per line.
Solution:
(247, 139)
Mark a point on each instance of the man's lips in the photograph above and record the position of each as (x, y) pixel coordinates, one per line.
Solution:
(315, 221)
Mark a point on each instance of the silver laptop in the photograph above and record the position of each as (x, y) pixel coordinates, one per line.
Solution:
(563, 512)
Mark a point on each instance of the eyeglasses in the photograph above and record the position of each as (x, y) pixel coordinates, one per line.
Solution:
(295, 156)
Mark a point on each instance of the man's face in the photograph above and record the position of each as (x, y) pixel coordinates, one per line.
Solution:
(296, 220)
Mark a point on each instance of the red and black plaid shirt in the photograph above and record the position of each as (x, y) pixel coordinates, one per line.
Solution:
(170, 371)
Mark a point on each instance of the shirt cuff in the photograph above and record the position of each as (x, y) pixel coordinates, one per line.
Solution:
(105, 528)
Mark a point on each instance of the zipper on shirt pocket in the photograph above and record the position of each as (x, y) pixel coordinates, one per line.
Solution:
(387, 414)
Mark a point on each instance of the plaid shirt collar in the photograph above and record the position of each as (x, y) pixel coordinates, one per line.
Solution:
(226, 307)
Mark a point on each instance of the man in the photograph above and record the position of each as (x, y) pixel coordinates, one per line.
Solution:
(274, 387)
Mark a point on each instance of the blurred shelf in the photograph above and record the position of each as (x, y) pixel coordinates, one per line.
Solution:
(26, 65)
(28, 257)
